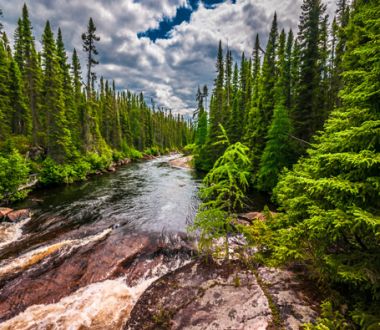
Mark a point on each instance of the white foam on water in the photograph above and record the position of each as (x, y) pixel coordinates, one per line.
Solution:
(11, 232)
(99, 306)
(28, 259)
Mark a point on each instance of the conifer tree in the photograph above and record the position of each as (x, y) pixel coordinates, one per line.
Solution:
(201, 132)
(1, 24)
(57, 134)
(268, 78)
(331, 198)
(90, 126)
(21, 121)
(309, 114)
(278, 152)
(27, 59)
(5, 109)
(89, 39)
(217, 113)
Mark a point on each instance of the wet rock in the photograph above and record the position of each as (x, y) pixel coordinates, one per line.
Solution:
(182, 162)
(112, 168)
(59, 271)
(123, 162)
(4, 211)
(18, 215)
(148, 157)
(296, 298)
(203, 295)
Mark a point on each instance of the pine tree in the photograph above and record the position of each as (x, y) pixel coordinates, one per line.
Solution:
(331, 198)
(91, 131)
(5, 108)
(1, 24)
(268, 78)
(217, 113)
(89, 39)
(201, 132)
(21, 121)
(27, 60)
(309, 114)
(338, 49)
(57, 134)
(278, 152)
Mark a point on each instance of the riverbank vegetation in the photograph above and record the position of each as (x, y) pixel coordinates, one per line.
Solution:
(306, 112)
(54, 125)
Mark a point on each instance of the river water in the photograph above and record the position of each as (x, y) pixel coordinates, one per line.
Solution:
(91, 249)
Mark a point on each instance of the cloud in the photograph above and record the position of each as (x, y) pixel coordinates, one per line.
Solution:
(168, 70)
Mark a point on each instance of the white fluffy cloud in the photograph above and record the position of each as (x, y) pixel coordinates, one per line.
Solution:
(168, 70)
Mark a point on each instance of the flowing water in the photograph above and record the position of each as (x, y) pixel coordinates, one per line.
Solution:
(90, 249)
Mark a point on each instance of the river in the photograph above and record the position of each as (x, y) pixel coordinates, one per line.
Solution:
(90, 249)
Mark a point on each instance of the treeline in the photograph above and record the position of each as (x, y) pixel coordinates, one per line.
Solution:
(48, 114)
(305, 113)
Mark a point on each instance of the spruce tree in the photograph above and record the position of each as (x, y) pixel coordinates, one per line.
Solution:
(57, 137)
(5, 108)
(331, 198)
(89, 39)
(268, 78)
(21, 121)
(309, 114)
(278, 152)
(27, 59)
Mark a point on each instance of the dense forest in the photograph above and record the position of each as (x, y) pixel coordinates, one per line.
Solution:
(300, 120)
(54, 125)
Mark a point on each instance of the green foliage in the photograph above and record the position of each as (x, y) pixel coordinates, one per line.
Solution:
(223, 192)
(189, 149)
(330, 319)
(331, 197)
(14, 171)
(98, 162)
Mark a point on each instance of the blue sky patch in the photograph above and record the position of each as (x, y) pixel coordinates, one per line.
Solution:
(183, 14)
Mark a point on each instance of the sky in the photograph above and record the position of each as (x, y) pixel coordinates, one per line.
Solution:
(163, 48)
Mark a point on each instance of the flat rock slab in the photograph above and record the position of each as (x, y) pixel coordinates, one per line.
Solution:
(203, 295)
(295, 298)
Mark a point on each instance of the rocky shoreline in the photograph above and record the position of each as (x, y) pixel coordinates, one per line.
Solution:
(228, 295)
(182, 162)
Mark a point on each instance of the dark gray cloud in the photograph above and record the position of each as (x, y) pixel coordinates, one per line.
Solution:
(168, 70)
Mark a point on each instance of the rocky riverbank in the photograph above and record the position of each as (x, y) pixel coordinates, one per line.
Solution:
(182, 162)
(228, 295)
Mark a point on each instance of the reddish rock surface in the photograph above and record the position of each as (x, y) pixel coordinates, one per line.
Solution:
(4, 211)
(70, 268)
(18, 215)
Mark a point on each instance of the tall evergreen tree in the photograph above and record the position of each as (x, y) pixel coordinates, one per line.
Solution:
(308, 114)
(21, 121)
(269, 77)
(331, 198)
(91, 131)
(57, 135)
(89, 46)
(278, 152)
(5, 109)
(27, 59)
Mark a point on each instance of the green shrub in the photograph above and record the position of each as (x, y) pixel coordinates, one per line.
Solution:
(52, 173)
(14, 171)
(132, 153)
(190, 149)
(98, 162)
